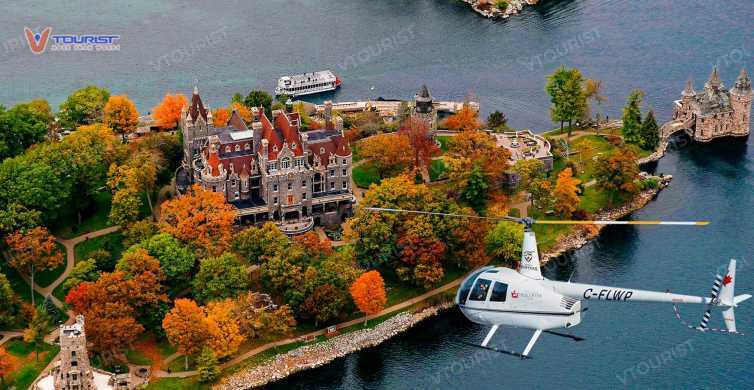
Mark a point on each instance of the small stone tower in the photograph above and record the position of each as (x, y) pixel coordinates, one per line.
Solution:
(74, 371)
(740, 100)
(423, 108)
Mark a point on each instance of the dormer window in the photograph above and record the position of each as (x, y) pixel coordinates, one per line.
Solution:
(321, 150)
(293, 146)
(247, 146)
(227, 149)
(274, 148)
(238, 148)
(285, 163)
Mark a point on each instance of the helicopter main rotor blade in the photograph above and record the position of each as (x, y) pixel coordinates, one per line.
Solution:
(567, 222)
(383, 209)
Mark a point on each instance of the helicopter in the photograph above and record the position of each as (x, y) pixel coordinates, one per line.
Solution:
(523, 298)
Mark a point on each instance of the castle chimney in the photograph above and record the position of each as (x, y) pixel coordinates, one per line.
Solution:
(289, 106)
(265, 149)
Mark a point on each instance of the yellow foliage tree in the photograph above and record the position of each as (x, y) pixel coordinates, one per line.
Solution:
(186, 327)
(121, 115)
(566, 193)
(391, 153)
(224, 333)
(242, 110)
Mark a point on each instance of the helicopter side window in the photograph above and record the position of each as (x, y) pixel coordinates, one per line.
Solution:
(463, 292)
(479, 292)
(499, 291)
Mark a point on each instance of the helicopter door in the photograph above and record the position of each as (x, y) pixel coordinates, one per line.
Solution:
(463, 292)
(499, 292)
(480, 290)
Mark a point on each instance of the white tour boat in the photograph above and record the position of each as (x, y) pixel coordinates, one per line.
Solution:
(307, 83)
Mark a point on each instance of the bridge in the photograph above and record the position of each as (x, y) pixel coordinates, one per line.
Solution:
(667, 130)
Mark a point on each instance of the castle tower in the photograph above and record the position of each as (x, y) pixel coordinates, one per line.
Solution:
(740, 100)
(74, 371)
(689, 91)
(714, 82)
(423, 108)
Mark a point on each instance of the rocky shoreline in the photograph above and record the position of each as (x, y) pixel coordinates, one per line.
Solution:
(316, 355)
(489, 9)
(582, 235)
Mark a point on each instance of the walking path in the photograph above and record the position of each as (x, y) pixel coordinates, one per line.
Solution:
(265, 347)
(6, 335)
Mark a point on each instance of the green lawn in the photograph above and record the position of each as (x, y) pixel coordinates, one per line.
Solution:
(95, 219)
(437, 170)
(177, 384)
(112, 243)
(444, 141)
(45, 278)
(136, 357)
(366, 174)
(18, 284)
(22, 377)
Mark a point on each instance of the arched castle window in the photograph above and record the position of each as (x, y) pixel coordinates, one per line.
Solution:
(247, 146)
(238, 148)
(285, 163)
(227, 149)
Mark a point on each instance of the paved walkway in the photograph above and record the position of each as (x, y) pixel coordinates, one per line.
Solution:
(6, 335)
(265, 347)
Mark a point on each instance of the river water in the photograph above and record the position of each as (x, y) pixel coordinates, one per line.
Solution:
(389, 48)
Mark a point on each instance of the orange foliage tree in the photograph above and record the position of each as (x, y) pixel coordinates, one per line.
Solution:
(467, 119)
(391, 153)
(33, 251)
(566, 193)
(167, 114)
(121, 115)
(470, 148)
(224, 333)
(5, 365)
(186, 327)
(242, 110)
(422, 144)
(314, 246)
(220, 117)
(368, 292)
(200, 218)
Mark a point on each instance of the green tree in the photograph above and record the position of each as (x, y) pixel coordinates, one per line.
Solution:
(566, 95)
(504, 242)
(541, 193)
(220, 277)
(18, 217)
(176, 260)
(83, 271)
(35, 333)
(475, 193)
(84, 106)
(259, 98)
(256, 244)
(20, 127)
(206, 364)
(33, 184)
(497, 121)
(632, 129)
(10, 306)
(650, 132)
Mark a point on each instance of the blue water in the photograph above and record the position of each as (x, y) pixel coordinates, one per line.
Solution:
(388, 48)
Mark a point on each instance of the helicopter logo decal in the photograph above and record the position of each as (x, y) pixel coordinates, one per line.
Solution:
(528, 255)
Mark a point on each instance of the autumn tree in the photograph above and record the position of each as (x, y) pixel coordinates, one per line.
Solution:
(257, 318)
(541, 193)
(32, 251)
(167, 114)
(6, 364)
(224, 333)
(422, 145)
(206, 364)
(84, 106)
(138, 174)
(368, 292)
(324, 304)
(220, 117)
(504, 242)
(617, 173)
(316, 247)
(466, 119)
(255, 244)
(592, 94)
(186, 327)
(566, 193)
(632, 118)
(528, 170)
(243, 111)
(35, 333)
(466, 242)
(200, 218)
(390, 153)
(220, 277)
(139, 231)
(120, 115)
(475, 148)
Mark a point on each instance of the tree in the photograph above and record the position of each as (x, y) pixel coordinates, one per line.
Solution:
(423, 146)
(504, 242)
(541, 193)
(470, 148)
(255, 244)
(35, 333)
(466, 119)
(497, 121)
(243, 111)
(566, 193)
(224, 333)
(201, 219)
(650, 133)
(84, 106)
(475, 193)
(22, 126)
(528, 171)
(83, 271)
(220, 117)
(220, 277)
(592, 94)
(257, 318)
(5, 365)
(167, 114)
(259, 98)
(390, 153)
(368, 293)
(18, 217)
(186, 327)
(10, 304)
(31, 251)
(566, 95)
(111, 327)
(138, 174)
(617, 173)
(176, 260)
(121, 115)
(325, 303)
(139, 231)
(318, 249)
(125, 207)
(632, 118)
(206, 364)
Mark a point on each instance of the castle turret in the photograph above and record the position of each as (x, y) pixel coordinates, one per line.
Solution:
(423, 101)
(714, 82)
(689, 91)
(740, 100)
(74, 371)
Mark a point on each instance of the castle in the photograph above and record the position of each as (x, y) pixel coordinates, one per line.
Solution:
(270, 170)
(716, 111)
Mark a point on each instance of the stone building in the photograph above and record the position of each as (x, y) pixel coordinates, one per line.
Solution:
(424, 109)
(716, 111)
(269, 169)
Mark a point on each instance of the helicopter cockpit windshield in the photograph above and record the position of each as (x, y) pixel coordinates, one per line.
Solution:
(463, 292)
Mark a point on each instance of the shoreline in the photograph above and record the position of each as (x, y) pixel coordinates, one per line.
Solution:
(492, 12)
(319, 354)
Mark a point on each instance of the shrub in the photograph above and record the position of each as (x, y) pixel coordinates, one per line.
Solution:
(651, 183)
(502, 5)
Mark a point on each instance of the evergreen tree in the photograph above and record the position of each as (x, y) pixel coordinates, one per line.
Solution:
(650, 133)
(497, 121)
(206, 364)
(632, 128)
(476, 190)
